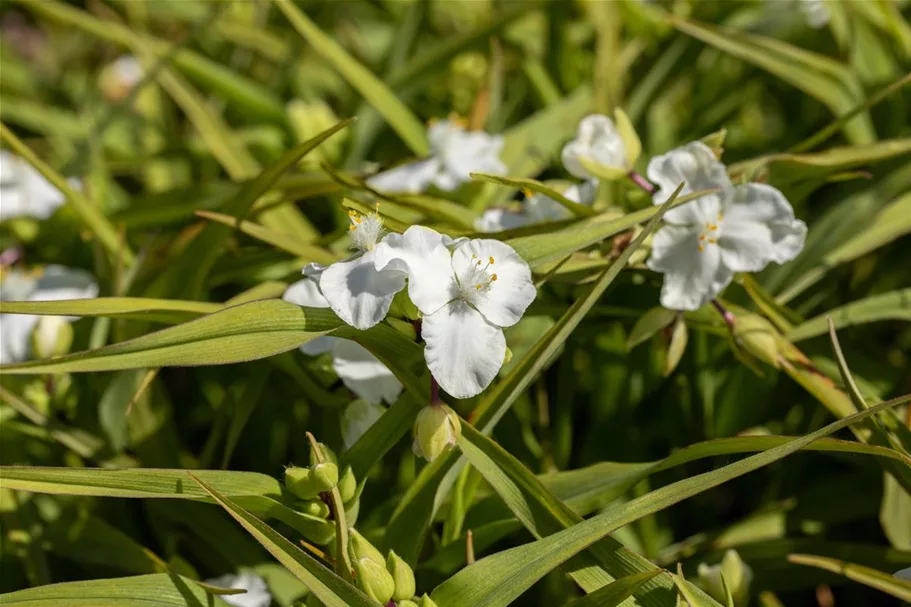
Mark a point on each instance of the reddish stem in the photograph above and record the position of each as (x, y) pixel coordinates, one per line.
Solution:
(642, 182)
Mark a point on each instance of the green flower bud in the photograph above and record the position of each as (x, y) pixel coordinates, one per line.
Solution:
(347, 485)
(360, 548)
(312, 601)
(737, 576)
(313, 508)
(374, 580)
(299, 482)
(52, 336)
(436, 429)
(310, 118)
(324, 476)
(426, 601)
(758, 337)
(403, 576)
(328, 455)
(406, 604)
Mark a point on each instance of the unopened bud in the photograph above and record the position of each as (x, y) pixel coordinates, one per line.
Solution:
(347, 485)
(307, 483)
(374, 580)
(360, 548)
(314, 507)
(737, 576)
(406, 604)
(52, 336)
(758, 337)
(426, 601)
(324, 476)
(327, 453)
(402, 575)
(436, 429)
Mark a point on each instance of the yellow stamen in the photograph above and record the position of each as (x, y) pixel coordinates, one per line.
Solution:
(491, 259)
(352, 228)
(713, 227)
(478, 287)
(493, 277)
(702, 237)
(711, 241)
(528, 193)
(701, 248)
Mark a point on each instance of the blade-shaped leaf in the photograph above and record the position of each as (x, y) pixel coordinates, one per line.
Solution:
(885, 582)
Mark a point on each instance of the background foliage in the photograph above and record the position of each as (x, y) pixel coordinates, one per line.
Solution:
(599, 406)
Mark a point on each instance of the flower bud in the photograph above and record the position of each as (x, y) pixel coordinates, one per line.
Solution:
(436, 429)
(347, 485)
(328, 455)
(313, 507)
(52, 336)
(374, 580)
(324, 476)
(737, 576)
(758, 337)
(402, 575)
(310, 118)
(426, 601)
(360, 548)
(307, 483)
(406, 604)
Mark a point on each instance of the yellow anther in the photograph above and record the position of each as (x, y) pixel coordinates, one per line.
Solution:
(713, 227)
(702, 237)
(478, 287)
(473, 256)
(491, 259)
(720, 216)
(701, 248)
(479, 262)
(352, 228)
(711, 241)
(493, 277)
(528, 193)
(352, 214)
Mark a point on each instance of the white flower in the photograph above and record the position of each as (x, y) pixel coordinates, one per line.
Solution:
(498, 219)
(602, 148)
(54, 284)
(358, 418)
(466, 297)
(128, 70)
(354, 289)
(24, 192)
(257, 594)
(455, 153)
(739, 229)
(358, 369)
(904, 574)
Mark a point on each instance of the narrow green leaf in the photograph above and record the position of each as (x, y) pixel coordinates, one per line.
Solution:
(369, 86)
(280, 240)
(498, 579)
(328, 587)
(895, 305)
(578, 210)
(616, 592)
(136, 308)
(153, 590)
(649, 324)
(885, 582)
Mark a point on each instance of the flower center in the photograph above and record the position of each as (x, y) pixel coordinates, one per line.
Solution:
(477, 279)
(365, 230)
(709, 235)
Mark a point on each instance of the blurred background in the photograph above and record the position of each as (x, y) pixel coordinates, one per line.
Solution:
(157, 109)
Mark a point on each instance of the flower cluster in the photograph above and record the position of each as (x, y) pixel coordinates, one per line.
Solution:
(466, 290)
(455, 154)
(738, 229)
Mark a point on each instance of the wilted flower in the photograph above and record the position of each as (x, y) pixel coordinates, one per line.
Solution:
(455, 153)
(737, 575)
(602, 149)
(359, 370)
(738, 229)
(25, 192)
(436, 429)
(466, 296)
(257, 594)
(55, 283)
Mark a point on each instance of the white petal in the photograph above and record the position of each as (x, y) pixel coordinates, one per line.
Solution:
(58, 283)
(408, 178)
(318, 346)
(25, 191)
(15, 337)
(757, 203)
(421, 253)
(696, 165)
(305, 293)
(745, 246)
(502, 300)
(464, 352)
(597, 140)
(904, 574)
(692, 277)
(313, 269)
(257, 594)
(497, 220)
(359, 294)
(363, 374)
(357, 419)
(463, 153)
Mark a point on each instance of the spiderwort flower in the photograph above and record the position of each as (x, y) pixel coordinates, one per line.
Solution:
(738, 229)
(466, 296)
(602, 148)
(359, 370)
(355, 289)
(19, 332)
(455, 153)
(537, 208)
(25, 192)
(256, 595)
